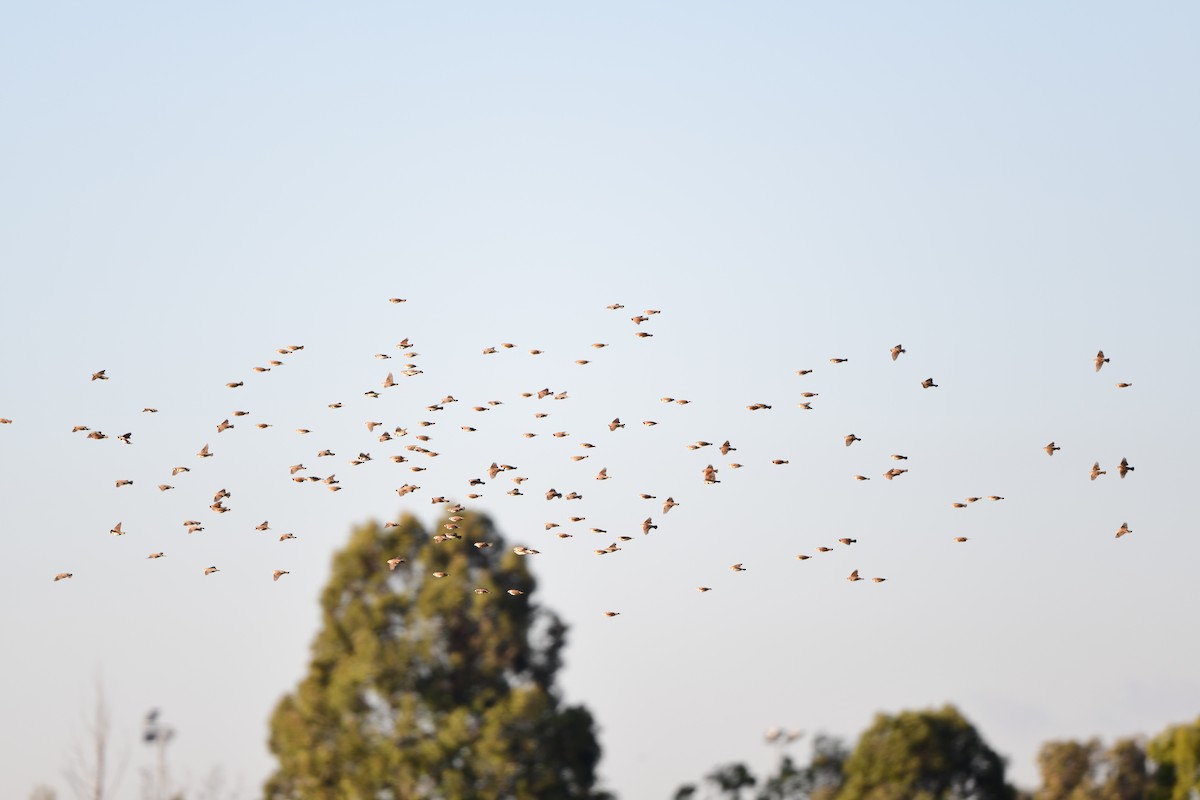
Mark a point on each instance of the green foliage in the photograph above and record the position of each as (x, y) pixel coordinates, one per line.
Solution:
(924, 755)
(419, 687)
(1176, 756)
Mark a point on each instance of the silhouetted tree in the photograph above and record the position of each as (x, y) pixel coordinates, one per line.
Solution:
(731, 779)
(419, 687)
(820, 780)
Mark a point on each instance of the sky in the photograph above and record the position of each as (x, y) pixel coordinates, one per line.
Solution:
(1003, 190)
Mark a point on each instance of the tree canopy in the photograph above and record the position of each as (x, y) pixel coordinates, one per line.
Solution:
(430, 679)
(924, 755)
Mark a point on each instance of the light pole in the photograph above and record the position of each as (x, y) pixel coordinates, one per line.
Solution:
(158, 735)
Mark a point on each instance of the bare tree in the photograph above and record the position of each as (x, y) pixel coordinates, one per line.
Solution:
(89, 774)
(215, 787)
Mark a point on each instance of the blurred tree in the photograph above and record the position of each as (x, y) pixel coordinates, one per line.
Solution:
(924, 755)
(820, 780)
(1084, 771)
(1125, 775)
(1175, 754)
(91, 775)
(731, 779)
(1068, 770)
(420, 687)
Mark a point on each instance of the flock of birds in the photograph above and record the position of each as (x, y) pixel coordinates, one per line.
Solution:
(419, 450)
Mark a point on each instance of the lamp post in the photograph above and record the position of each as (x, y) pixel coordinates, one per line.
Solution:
(158, 735)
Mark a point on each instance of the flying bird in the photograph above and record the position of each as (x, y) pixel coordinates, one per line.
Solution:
(897, 350)
(1123, 468)
(1096, 471)
(1101, 360)
(279, 573)
(1124, 529)
(1050, 448)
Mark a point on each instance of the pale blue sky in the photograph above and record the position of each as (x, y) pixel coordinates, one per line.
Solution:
(1003, 190)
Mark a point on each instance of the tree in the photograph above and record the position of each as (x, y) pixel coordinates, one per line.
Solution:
(1125, 771)
(924, 755)
(1068, 770)
(1176, 756)
(90, 775)
(820, 780)
(731, 779)
(424, 686)
(1084, 771)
